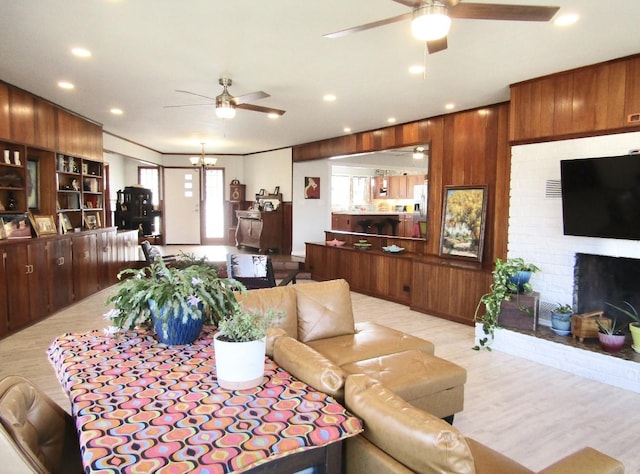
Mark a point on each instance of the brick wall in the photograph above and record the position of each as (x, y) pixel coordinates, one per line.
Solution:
(535, 220)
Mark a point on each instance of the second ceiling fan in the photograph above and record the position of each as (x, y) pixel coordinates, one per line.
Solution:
(226, 104)
(431, 19)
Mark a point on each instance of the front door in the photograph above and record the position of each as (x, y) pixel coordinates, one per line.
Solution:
(182, 205)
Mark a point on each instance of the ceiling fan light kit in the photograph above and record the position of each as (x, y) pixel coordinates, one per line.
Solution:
(225, 108)
(430, 22)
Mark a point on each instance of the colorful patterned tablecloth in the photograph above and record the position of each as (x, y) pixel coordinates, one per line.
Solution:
(142, 406)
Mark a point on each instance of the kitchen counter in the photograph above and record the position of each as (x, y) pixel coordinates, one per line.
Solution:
(374, 222)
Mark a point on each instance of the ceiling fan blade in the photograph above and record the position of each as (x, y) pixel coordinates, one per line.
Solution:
(257, 108)
(186, 105)
(199, 95)
(493, 11)
(242, 99)
(410, 3)
(437, 45)
(368, 26)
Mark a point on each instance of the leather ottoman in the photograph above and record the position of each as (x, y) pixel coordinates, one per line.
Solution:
(426, 381)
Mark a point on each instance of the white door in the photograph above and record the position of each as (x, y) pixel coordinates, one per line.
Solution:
(182, 205)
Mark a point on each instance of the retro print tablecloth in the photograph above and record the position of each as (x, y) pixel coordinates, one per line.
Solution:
(142, 406)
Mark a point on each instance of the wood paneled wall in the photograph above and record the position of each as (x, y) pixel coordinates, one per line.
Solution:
(588, 101)
(465, 148)
(32, 121)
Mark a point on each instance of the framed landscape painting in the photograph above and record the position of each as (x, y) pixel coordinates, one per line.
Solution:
(463, 219)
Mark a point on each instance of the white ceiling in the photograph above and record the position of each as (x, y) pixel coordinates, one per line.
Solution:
(143, 50)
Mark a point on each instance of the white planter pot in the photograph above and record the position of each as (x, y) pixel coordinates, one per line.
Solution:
(239, 365)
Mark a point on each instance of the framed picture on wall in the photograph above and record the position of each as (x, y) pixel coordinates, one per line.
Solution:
(464, 212)
(311, 187)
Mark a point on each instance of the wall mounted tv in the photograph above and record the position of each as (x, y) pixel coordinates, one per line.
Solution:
(601, 197)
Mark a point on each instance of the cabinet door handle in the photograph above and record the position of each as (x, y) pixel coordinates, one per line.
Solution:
(60, 261)
(29, 269)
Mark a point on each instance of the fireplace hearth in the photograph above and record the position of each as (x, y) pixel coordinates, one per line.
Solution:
(600, 279)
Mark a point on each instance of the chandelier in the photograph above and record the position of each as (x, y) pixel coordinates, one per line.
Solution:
(202, 160)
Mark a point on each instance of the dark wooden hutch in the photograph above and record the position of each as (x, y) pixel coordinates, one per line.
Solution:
(59, 172)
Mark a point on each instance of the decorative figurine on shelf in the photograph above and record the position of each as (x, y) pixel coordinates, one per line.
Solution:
(7, 157)
(16, 158)
(75, 185)
(11, 201)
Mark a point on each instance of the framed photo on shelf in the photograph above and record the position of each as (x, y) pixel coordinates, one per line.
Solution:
(464, 211)
(33, 185)
(65, 223)
(92, 221)
(16, 226)
(43, 224)
(276, 190)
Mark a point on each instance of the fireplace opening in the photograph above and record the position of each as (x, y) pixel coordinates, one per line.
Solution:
(600, 279)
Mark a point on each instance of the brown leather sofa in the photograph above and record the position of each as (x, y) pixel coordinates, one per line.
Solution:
(36, 435)
(320, 315)
(399, 438)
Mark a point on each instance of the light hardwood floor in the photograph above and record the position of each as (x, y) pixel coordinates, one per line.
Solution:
(530, 412)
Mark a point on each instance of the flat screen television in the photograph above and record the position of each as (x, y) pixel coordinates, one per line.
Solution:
(601, 197)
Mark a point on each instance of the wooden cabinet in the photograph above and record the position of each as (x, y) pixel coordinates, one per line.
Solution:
(4, 307)
(379, 185)
(340, 221)
(107, 254)
(367, 271)
(26, 277)
(60, 278)
(261, 230)
(85, 264)
(397, 187)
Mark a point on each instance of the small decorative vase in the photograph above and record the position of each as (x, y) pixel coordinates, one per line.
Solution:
(239, 365)
(177, 332)
(611, 342)
(520, 278)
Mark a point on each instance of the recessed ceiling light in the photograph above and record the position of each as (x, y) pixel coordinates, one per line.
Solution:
(273, 116)
(391, 120)
(566, 19)
(416, 69)
(346, 130)
(329, 98)
(116, 111)
(65, 85)
(450, 106)
(81, 52)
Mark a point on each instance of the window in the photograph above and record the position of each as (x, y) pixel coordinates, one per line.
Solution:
(350, 191)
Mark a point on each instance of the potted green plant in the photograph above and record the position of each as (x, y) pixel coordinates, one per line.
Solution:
(634, 325)
(611, 336)
(561, 319)
(240, 348)
(175, 300)
(503, 286)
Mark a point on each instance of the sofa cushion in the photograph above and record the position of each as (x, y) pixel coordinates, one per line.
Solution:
(415, 438)
(280, 298)
(324, 310)
(310, 366)
(368, 341)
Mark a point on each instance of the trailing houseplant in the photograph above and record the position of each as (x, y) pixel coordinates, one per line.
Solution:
(501, 289)
(188, 293)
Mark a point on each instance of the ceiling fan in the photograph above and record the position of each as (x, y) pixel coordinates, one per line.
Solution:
(226, 104)
(431, 19)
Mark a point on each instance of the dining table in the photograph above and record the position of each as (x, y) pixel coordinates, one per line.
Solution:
(141, 406)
